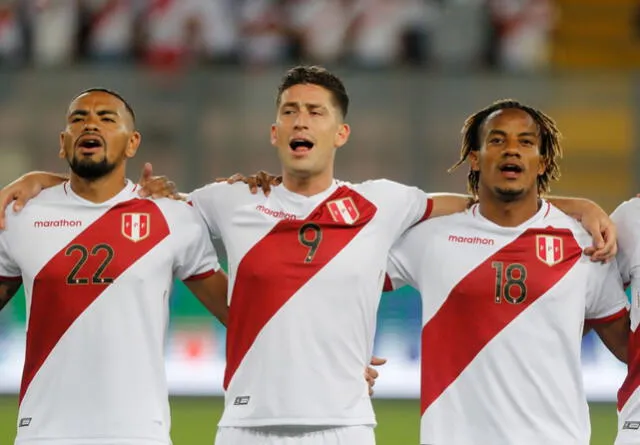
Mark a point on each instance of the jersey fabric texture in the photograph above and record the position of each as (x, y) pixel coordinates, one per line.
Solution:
(97, 280)
(503, 316)
(305, 276)
(627, 219)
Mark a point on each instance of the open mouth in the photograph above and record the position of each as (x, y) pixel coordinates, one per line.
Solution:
(90, 142)
(510, 168)
(301, 145)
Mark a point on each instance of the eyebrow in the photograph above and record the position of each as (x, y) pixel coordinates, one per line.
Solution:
(297, 105)
(99, 113)
(503, 133)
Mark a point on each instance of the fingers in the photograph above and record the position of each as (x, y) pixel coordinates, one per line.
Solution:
(147, 173)
(158, 187)
(377, 361)
(19, 202)
(6, 200)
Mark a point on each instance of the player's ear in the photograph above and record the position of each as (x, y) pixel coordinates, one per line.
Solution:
(274, 135)
(134, 143)
(342, 135)
(61, 153)
(474, 160)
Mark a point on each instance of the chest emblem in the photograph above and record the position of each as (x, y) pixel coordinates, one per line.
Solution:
(549, 249)
(343, 210)
(136, 226)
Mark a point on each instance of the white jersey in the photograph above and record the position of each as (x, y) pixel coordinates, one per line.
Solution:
(503, 316)
(305, 276)
(97, 280)
(626, 217)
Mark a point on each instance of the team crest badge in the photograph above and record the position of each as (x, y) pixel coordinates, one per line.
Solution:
(549, 249)
(136, 226)
(343, 210)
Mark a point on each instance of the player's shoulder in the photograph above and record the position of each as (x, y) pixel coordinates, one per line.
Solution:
(221, 191)
(557, 219)
(174, 208)
(385, 189)
(628, 211)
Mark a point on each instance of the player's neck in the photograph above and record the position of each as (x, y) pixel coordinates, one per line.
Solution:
(98, 190)
(508, 214)
(308, 186)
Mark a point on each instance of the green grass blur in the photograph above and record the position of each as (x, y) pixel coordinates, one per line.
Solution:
(194, 421)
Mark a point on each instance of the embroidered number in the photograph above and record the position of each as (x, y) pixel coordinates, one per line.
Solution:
(310, 235)
(507, 278)
(97, 277)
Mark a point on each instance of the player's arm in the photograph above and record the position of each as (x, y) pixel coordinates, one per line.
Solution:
(24, 188)
(8, 289)
(212, 293)
(615, 335)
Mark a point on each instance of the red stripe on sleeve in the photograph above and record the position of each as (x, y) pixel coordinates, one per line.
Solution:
(621, 313)
(200, 276)
(388, 285)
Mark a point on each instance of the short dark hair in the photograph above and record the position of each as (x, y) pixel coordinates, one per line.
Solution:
(316, 75)
(112, 93)
(550, 147)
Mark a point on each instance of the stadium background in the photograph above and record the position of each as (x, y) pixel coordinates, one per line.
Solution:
(205, 112)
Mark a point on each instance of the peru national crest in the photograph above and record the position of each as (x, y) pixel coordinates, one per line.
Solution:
(549, 249)
(136, 226)
(343, 210)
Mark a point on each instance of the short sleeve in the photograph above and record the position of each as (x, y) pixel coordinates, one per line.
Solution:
(626, 218)
(605, 295)
(9, 269)
(403, 262)
(204, 200)
(197, 257)
(412, 204)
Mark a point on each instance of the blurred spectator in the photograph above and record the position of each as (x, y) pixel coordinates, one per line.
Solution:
(381, 29)
(110, 29)
(12, 42)
(264, 32)
(54, 27)
(523, 31)
(460, 36)
(309, 22)
(218, 31)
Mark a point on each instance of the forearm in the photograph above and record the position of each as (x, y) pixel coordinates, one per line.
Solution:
(44, 179)
(615, 336)
(448, 203)
(7, 290)
(212, 293)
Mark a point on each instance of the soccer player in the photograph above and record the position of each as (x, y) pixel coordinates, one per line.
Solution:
(506, 291)
(307, 264)
(626, 217)
(98, 264)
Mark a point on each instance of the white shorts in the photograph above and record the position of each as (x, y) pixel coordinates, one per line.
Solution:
(294, 435)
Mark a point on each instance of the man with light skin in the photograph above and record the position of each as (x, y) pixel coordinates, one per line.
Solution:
(327, 242)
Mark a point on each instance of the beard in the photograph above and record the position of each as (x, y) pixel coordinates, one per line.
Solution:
(89, 169)
(508, 195)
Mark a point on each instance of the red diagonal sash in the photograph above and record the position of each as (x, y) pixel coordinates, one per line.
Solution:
(56, 304)
(275, 268)
(471, 314)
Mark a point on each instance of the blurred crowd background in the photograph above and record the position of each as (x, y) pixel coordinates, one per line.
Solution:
(506, 34)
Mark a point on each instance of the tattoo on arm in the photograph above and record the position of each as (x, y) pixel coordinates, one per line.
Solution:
(7, 290)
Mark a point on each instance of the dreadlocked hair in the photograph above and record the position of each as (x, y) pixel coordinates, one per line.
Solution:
(550, 148)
